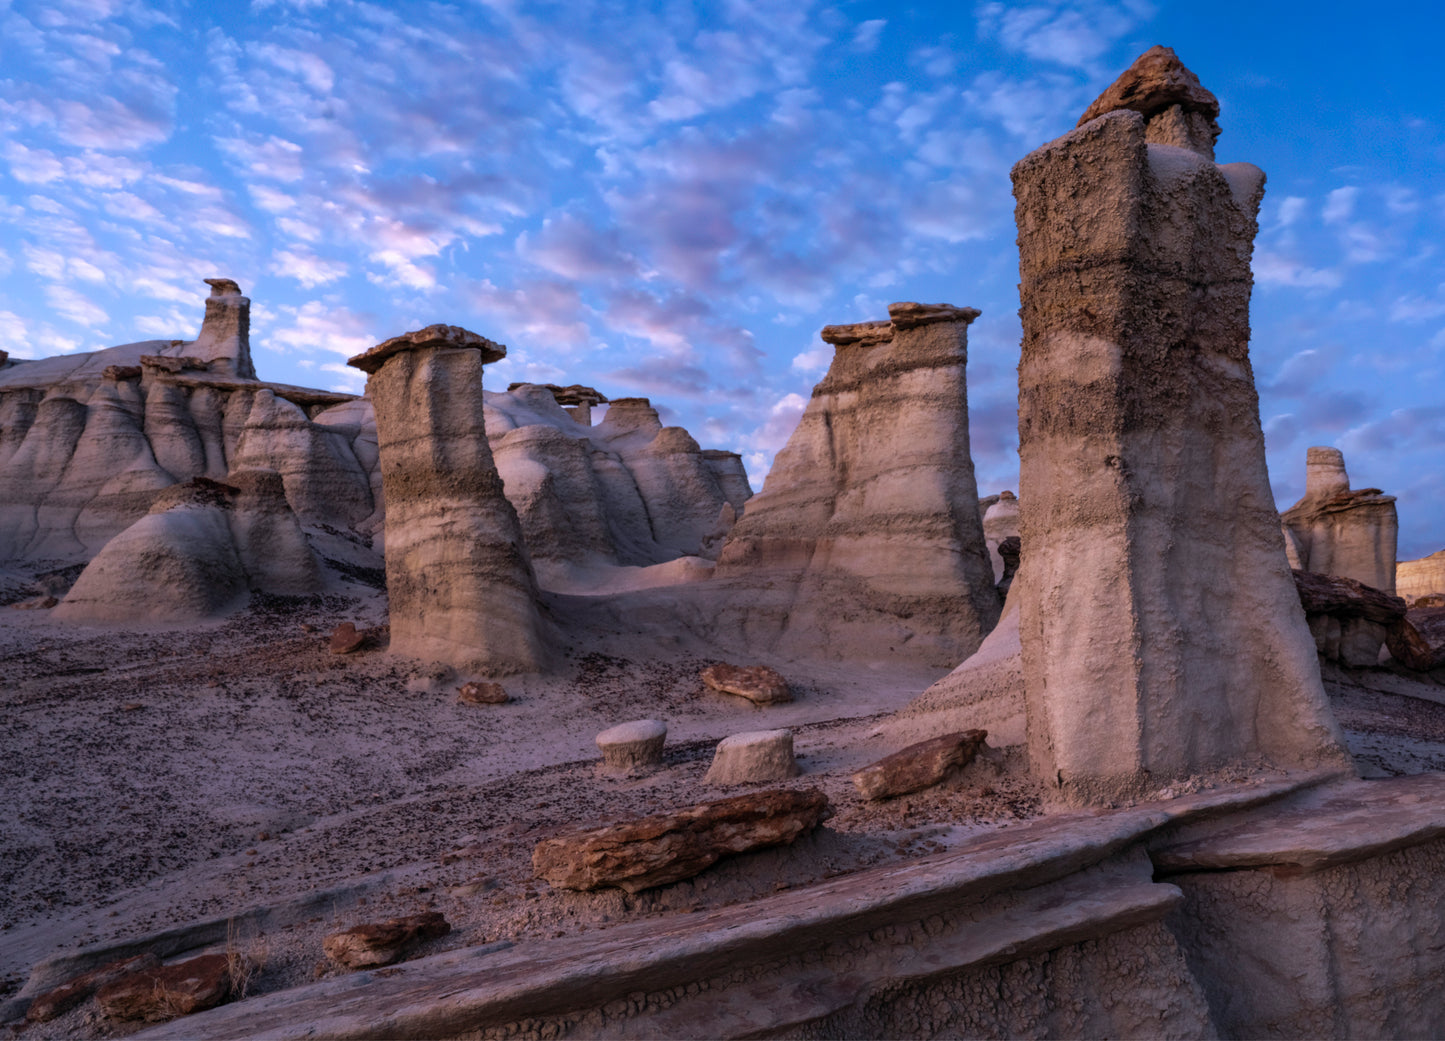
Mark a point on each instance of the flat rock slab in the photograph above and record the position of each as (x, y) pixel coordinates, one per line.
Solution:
(668, 847)
(469, 990)
(381, 943)
(629, 746)
(758, 683)
(1340, 825)
(758, 757)
(158, 994)
(62, 999)
(918, 766)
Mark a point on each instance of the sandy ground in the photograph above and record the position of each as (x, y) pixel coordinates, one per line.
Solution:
(163, 777)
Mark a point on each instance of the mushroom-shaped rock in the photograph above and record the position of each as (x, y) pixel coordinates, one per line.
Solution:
(918, 766)
(668, 847)
(758, 683)
(459, 582)
(633, 745)
(757, 757)
(224, 342)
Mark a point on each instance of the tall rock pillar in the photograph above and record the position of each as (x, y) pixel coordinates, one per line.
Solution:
(459, 582)
(225, 337)
(1336, 531)
(1161, 630)
(865, 542)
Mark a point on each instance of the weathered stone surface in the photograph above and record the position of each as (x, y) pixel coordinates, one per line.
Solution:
(381, 943)
(865, 542)
(346, 639)
(758, 683)
(668, 847)
(1177, 109)
(918, 766)
(1159, 624)
(482, 692)
(459, 582)
(629, 746)
(1336, 531)
(158, 994)
(757, 757)
(62, 999)
(1417, 640)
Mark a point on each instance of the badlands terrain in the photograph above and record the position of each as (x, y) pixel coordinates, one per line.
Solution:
(311, 700)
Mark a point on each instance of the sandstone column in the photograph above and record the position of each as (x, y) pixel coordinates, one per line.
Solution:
(1160, 627)
(865, 542)
(459, 582)
(225, 337)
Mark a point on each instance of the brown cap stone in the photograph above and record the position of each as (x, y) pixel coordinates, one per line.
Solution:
(1155, 82)
(907, 315)
(223, 287)
(432, 336)
(862, 333)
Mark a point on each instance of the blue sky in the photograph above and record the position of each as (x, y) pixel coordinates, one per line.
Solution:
(672, 199)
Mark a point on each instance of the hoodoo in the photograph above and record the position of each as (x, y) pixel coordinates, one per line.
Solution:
(1160, 627)
(459, 583)
(866, 538)
(1336, 531)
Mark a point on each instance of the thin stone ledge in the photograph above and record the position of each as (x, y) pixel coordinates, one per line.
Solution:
(909, 315)
(432, 336)
(861, 333)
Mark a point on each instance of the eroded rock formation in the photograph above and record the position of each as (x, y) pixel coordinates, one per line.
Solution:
(1417, 578)
(866, 539)
(1336, 531)
(459, 583)
(1160, 629)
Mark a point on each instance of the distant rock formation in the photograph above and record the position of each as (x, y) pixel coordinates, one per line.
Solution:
(1000, 522)
(1417, 578)
(1160, 630)
(866, 541)
(1336, 531)
(460, 587)
(89, 441)
(200, 551)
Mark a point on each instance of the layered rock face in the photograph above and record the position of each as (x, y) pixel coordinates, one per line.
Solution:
(1160, 630)
(459, 583)
(866, 540)
(1415, 578)
(1336, 531)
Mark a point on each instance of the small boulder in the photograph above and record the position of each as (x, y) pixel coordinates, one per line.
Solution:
(158, 994)
(482, 692)
(918, 766)
(381, 943)
(752, 758)
(758, 683)
(629, 746)
(668, 847)
(60, 1000)
(345, 639)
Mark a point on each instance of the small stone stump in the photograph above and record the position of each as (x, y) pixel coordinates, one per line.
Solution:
(346, 639)
(632, 746)
(482, 692)
(752, 758)
(918, 766)
(758, 683)
(381, 943)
